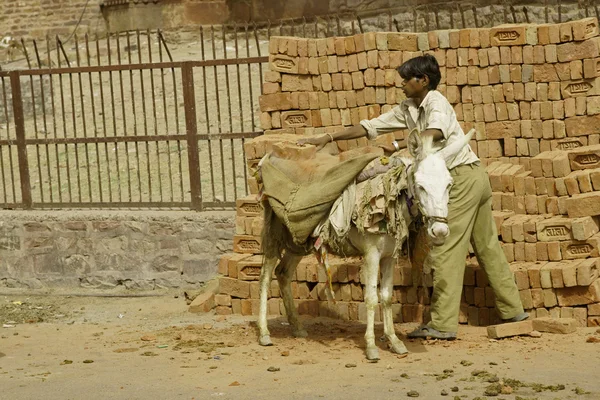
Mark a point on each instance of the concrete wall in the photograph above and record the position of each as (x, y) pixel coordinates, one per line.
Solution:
(38, 18)
(137, 250)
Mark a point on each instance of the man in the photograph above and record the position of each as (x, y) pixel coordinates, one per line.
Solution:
(469, 212)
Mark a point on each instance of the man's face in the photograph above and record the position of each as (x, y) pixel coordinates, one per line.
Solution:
(413, 87)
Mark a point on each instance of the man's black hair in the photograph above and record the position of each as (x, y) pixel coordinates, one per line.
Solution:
(420, 66)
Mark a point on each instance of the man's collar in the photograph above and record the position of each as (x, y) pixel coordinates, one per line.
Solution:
(410, 103)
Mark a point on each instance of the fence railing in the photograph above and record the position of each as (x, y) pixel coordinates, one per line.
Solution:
(130, 135)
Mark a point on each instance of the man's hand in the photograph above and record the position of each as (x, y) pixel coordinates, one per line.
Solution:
(318, 141)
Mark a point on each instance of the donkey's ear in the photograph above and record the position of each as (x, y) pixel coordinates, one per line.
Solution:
(415, 144)
(450, 152)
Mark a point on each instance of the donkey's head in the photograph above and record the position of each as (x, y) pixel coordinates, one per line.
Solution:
(431, 181)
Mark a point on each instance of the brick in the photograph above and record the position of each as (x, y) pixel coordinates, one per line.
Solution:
(582, 125)
(569, 273)
(555, 325)
(546, 274)
(554, 229)
(223, 300)
(556, 274)
(584, 28)
(587, 271)
(593, 321)
(248, 269)
(566, 32)
(510, 329)
(234, 288)
(593, 309)
(579, 295)
(577, 50)
(203, 303)
(534, 273)
(246, 244)
(508, 35)
(581, 249)
(550, 299)
(582, 205)
(501, 130)
(402, 42)
(584, 227)
(586, 157)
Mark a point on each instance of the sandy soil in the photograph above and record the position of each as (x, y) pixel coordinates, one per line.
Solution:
(151, 347)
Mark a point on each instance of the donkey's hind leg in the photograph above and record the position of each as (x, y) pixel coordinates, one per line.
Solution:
(387, 278)
(285, 273)
(370, 273)
(266, 272)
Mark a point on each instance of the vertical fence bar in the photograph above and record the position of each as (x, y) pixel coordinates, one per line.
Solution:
(559, 6)
(114, 117)
(166, 118)
(143, 90)
(19, 117)
(104, 126)
(64, 118)
(54, 125)
(154, 114)
(45, 122)
(86, 146)
(35, 122)
(220, 126)
(209, 141)
(10, 153)
(231, 142)
(5, 109)
(74, 121)
(135, 123)
(191, 128)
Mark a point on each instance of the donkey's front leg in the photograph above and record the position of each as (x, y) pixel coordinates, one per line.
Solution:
(264, 338)
(387, 283)
(370, 274)
(285, 273)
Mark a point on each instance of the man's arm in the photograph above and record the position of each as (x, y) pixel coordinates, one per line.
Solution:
(353, 132)
(390, 121)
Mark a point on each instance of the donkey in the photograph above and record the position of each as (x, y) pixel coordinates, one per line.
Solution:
(429, 185)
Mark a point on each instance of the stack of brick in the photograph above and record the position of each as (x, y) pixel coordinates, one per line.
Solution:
(532, 92)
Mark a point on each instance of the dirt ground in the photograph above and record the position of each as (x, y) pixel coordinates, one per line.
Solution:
(67, 347)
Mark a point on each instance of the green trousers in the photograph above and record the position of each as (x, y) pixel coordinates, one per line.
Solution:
(470, 220)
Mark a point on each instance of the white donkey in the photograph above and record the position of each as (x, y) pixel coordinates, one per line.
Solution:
(429, 184)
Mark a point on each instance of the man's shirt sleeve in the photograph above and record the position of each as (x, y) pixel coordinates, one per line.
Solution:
(437, 118)
(390, 121)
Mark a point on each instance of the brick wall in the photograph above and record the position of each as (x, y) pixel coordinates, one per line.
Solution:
(38, 18)
(532, 94)
(124, 249)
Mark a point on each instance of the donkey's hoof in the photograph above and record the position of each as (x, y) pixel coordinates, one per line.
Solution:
(372, 353)
(300, 333)
(265, 340)
(396, 346)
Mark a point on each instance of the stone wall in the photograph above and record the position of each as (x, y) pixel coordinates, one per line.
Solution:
(104, 250)
(38, 18)
(532, 92)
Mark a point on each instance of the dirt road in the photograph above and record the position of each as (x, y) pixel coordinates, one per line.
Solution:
(152, 348)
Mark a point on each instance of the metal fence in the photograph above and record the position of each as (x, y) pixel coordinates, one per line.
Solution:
(128, 132)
